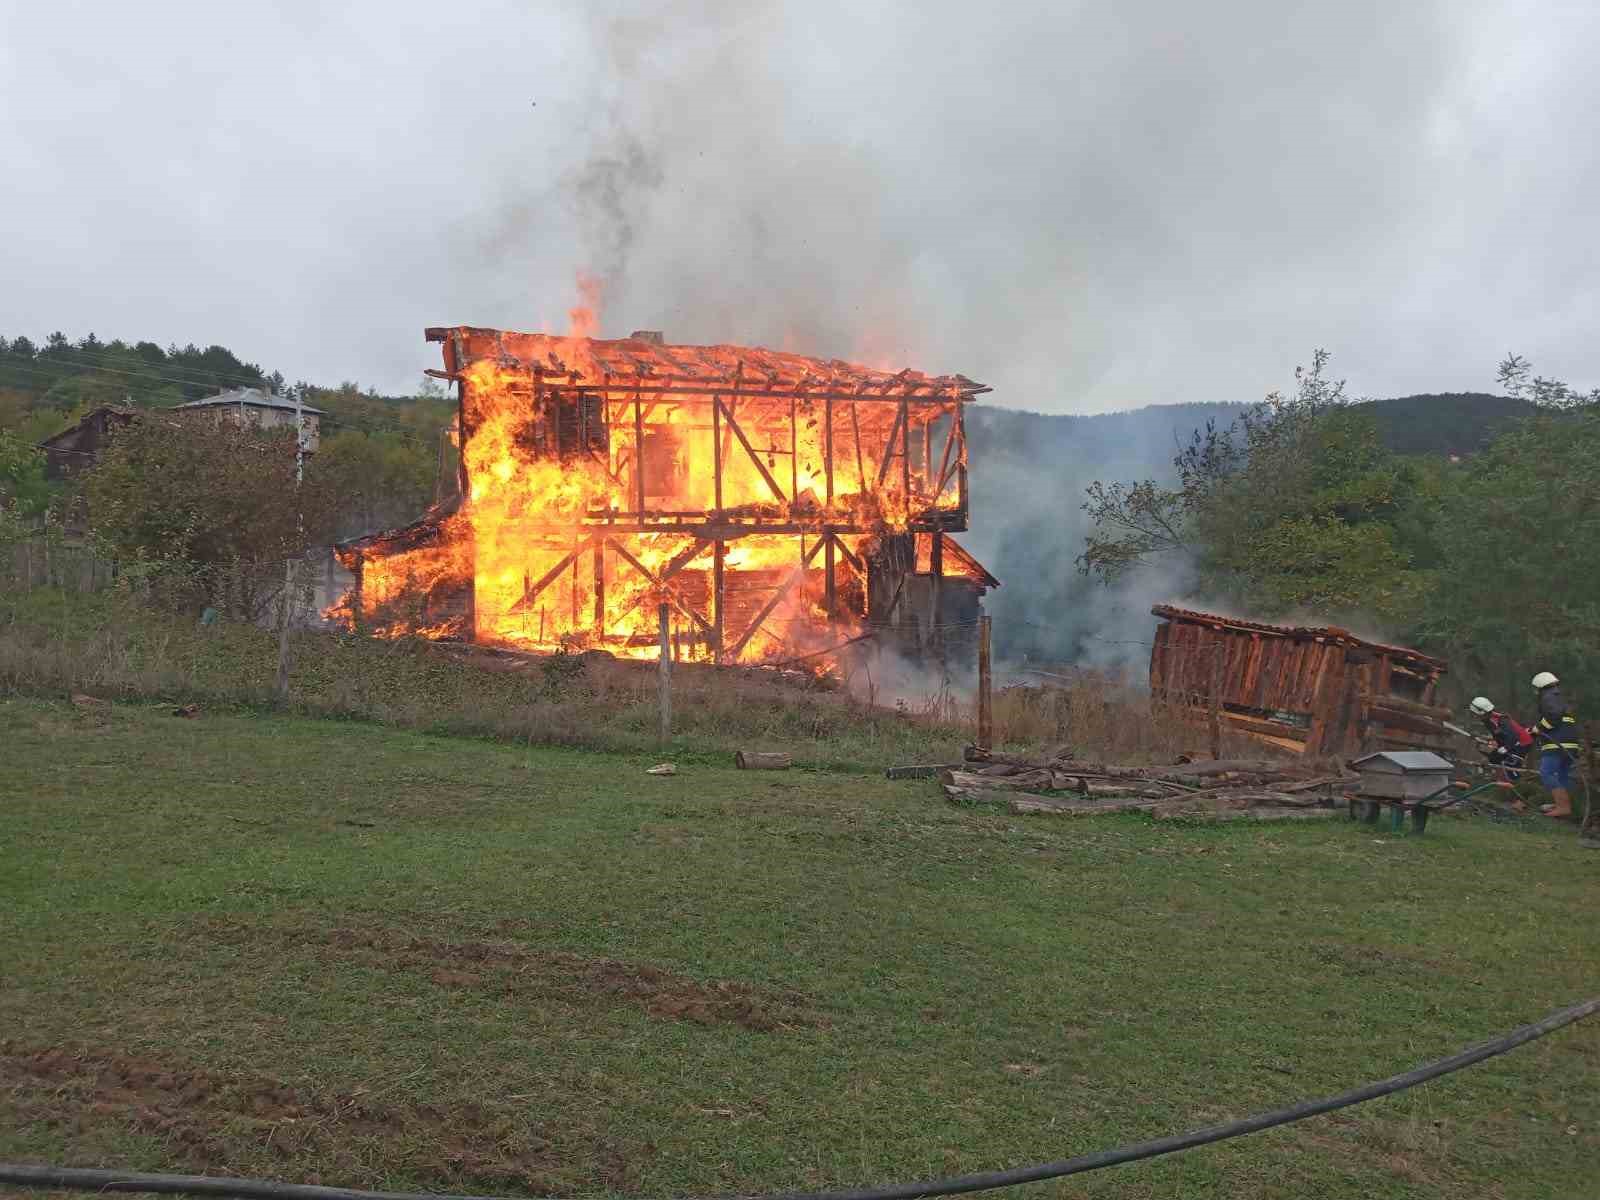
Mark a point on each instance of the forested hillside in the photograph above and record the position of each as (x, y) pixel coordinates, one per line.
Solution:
(381, 453)
(1306, 505)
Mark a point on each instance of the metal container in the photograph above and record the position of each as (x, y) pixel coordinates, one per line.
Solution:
(1408, 775)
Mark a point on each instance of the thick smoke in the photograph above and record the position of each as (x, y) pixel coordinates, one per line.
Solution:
(1090, 206)
(1028, 526)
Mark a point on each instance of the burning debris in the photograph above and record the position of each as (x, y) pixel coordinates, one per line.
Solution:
(1319, 691)
(781, 506)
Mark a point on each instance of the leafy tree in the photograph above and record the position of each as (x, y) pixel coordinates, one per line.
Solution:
(23, 488)
(1519, 546)
(212, 495)
(380, 479)
(1297, 505)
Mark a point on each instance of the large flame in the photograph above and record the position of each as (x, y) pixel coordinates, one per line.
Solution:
(560, 474)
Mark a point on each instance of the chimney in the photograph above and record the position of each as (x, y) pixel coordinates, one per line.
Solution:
(653, 336)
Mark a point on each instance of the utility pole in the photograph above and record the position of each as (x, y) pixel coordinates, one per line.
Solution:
(288, 566)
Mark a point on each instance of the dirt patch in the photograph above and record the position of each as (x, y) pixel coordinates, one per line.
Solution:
(220, 1122)
(1375, 960)
(511, 969)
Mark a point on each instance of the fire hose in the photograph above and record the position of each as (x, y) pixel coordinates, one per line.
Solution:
(77, 1179)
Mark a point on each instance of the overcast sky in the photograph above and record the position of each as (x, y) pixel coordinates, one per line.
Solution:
(1089, 206)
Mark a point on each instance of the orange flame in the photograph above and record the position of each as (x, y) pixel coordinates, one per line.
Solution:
(587, 505)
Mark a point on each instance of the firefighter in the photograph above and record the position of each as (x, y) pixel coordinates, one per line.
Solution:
(1507, 745)
(1556, 731)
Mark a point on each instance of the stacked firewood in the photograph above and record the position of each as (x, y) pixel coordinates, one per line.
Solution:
(1218, 789)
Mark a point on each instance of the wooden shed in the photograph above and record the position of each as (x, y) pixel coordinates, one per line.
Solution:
(78, 447)
(1310, 690)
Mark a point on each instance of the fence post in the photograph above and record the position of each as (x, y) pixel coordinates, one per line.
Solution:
(985, 711)
(283, 632)
(664, 675)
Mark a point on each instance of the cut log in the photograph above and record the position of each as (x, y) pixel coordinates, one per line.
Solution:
(1014, 783)
(1049, 804)
(986, 795)
(920, 771)
(1328, 781)
(1068, 783)
(1251, 814)
(762, 760)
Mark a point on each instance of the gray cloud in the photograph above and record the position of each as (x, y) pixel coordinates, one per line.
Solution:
(1088, 206)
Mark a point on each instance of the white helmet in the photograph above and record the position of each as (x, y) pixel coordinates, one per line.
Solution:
(1482, 705)
(1543, 680)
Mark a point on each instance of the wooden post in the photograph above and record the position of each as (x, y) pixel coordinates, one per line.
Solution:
(575, 616)
(830, 600)
(282, 685)
(716, 482)
(936, 586)
(599, 588)
(357, 601)
(827, 446)
(638, 450)
(861, 466)
(905, 454)
(985, 712)
(664, 673)
(719, 552)
(1216, 698)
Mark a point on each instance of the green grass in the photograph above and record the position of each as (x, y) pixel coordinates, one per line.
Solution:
(53, 643)
(324, 950)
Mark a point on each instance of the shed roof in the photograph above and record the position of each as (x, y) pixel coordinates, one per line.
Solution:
(621, 362)
(1407, 761)
(117, 411)
(250, 398)
(1328, 632)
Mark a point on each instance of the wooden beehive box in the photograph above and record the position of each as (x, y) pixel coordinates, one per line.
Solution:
(1402, 774)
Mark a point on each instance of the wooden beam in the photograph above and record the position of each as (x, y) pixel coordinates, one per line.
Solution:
(678, 562)
(944, 461)
(787, 586)
(748, 449)
(829, 596)
(718, 599)
(905, 453)
(638, 449)
(827, 447)
(531, 593)
(861, 467)
(849, 556)
(794, 447)
(668, 592)
(888, 446)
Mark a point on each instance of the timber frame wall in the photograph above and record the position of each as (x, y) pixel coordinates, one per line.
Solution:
(889, 441)
(1320, 691)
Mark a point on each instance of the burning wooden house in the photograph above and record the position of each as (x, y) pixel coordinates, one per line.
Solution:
(780, 505)
(1314, 691)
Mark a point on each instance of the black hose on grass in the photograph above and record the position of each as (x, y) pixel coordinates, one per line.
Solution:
(260, 1189)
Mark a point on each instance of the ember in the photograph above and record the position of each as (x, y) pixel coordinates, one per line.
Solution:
(780, 505)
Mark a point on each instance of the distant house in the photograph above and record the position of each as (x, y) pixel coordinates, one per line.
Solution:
(262, 409)
(76, 448)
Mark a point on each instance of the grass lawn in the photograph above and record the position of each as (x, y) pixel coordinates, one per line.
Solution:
(320, 950)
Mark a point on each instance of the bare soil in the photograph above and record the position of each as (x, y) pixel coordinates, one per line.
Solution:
(210, 1121)
(513, 969)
